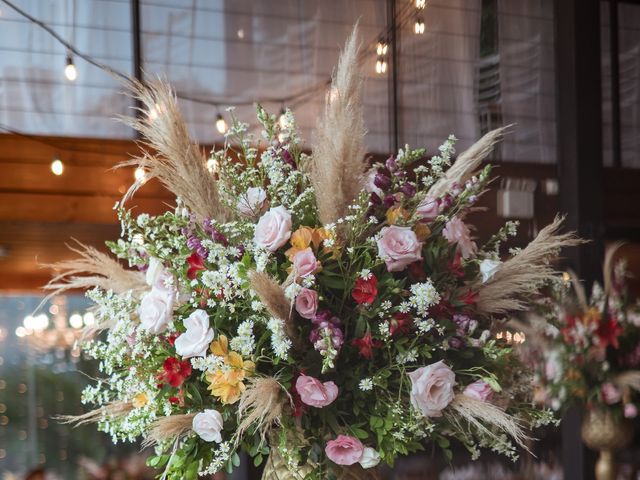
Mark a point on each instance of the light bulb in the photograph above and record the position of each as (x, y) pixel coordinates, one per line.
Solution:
(88, 319)
(57, 167)
(381, 47)
(420, 4)
(140, 175)
(418, 27)
(221, 125)
(381, 66)
(212, 165)
(70, 70)
(75, 320)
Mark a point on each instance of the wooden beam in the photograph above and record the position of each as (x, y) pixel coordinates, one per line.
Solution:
(70, 208)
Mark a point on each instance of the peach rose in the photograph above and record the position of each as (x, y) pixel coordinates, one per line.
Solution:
(315, 393)
(432, 388)
(398, 247)
(479, 390)
(273, 229)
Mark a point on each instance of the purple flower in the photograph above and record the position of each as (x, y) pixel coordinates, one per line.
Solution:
(382, 181)
(389, 201)
(326, 327)
(391, 164)
(375, 199)
(456, 342)
(408, 189)
(288, 159)
(194, 243)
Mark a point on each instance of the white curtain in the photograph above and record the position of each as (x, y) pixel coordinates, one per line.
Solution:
(527, 79)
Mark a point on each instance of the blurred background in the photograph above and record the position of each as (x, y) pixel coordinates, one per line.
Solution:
(565, 72)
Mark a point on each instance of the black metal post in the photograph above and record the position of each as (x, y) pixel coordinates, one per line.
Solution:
(394, 39)
(616, 139)
(579, 127)
(136, 46)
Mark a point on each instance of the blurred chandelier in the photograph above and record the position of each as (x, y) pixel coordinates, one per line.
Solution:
(57, 334)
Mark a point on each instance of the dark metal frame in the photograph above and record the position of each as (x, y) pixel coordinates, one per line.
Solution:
(394, 38)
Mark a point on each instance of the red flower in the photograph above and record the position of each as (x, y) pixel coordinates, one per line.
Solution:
(608, 332)
(416, 271)
(366, 345)
(365, 291)
(175, 371)
(400, 323)
(177, 399)
(171, 339)
(196, 263)
(469, 298)
(442, 309)
(455, 267)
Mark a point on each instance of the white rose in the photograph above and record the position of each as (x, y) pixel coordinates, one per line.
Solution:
(208, 425)
(156, 309)
(157, 276)
(370, 458)
(253, 202)
(273, 229)
(488, 269)
(432, 388)
(195, 341)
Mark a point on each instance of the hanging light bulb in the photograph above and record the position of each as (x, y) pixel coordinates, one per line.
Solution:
(57, 167)
(221, 125)
(382, 47)
(140, 175)
(381, 66)
(418, 27)
(212, 165)
(420, 4)
(70, 70)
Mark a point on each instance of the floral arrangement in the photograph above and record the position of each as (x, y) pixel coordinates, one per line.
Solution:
(313, 310)
(588, 348)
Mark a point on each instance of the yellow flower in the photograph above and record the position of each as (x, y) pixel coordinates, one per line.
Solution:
(396, 213)
(140, 400)
(226, 382)
(304, 237)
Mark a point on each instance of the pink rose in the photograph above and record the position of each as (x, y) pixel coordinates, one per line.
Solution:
(307, 303)
(457, 232)
(253, 202)
(432, 388)
(273, 229)
(398, 247)
(315, 393)
(630, 411)
(428, 209)
(305, 263)
(610, 393)
(479, 390)
(370, 185)
(344, 450)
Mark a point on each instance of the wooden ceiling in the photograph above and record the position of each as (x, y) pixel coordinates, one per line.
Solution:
(41, 213)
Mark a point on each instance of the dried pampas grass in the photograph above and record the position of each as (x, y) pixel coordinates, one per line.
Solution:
(524, 271)
(168, 428)
(112, 410)
(479, 414)
(468, 162)
(628, 380)
(260, 407)
(91, 269)
(338, 161)
(272, 295)
(608, 267)
(170, 154)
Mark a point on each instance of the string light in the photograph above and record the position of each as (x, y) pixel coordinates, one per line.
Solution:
(382, 47)
(70, 70)
(57, 167)
(381, 66)
(140, 175)
(420, 4)
(221, 125)
(418, 27)
(212, 165)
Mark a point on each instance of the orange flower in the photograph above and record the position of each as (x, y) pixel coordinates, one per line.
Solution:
(304, 238)
(397, 213)
(227, 382)
(422, 231)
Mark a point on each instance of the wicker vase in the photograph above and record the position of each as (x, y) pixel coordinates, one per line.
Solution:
(602, 432)
(276, 469)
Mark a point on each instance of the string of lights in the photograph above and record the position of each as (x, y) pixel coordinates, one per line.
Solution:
(295, 98)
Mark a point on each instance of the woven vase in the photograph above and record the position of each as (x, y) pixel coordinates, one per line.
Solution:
(602, 432)
(276, 469)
